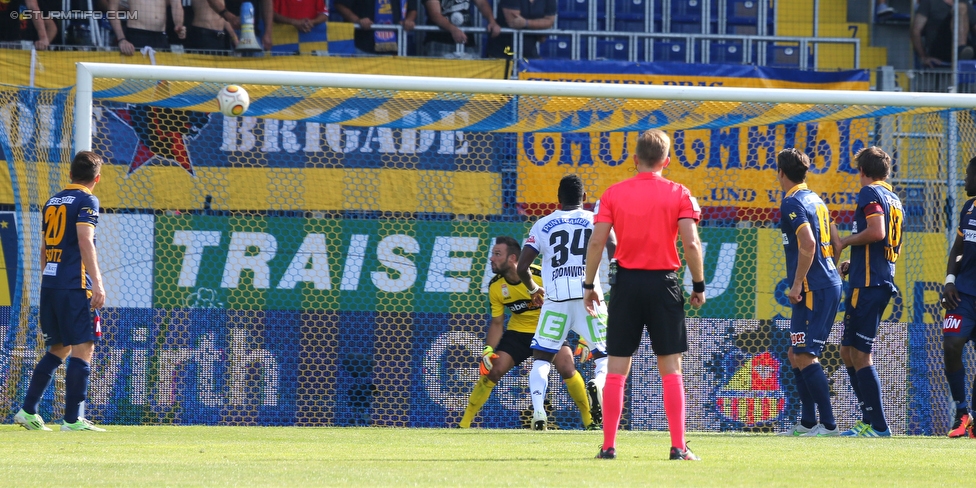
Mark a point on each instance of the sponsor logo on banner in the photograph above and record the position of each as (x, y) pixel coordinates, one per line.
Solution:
(297, 263)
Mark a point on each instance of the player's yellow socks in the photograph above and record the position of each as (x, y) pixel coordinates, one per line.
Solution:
(577, 390)
(479, 395)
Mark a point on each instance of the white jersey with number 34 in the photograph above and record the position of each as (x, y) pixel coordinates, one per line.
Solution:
(561, 239)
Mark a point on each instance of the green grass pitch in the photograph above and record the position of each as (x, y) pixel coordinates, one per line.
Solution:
(293, 456)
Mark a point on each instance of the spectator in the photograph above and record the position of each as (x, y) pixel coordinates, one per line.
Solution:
(522, 14)
(149, 28)
(369, 12)
(9, 23)
(212, 30)
(933, 20)
(882, 10)
(230, 11)
(451, 15)
(303, 14)
(41, 31)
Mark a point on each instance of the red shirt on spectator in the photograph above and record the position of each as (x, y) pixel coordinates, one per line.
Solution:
(646, 240)
(300, 9)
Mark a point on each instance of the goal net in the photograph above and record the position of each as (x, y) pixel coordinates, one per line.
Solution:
(323, 259)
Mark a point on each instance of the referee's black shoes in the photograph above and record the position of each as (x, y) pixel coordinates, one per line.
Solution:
(607, 454)
(683, 454)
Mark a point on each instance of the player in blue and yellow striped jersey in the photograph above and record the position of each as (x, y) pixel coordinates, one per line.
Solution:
(875, 242)
(812, 246)
(959, 300)
(71, 294)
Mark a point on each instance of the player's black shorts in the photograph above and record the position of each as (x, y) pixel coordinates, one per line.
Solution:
(646, 298)
(66, 317)
(518, 345)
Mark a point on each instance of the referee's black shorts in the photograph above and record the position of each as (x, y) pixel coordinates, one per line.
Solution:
(642, 298)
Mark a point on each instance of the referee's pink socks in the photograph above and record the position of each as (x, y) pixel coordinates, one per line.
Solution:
(674, 407)
(613, 405)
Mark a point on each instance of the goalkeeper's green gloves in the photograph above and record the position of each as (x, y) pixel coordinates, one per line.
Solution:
(486, 357)
(583, 351)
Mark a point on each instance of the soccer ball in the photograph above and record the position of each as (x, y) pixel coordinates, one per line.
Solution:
(233, 100)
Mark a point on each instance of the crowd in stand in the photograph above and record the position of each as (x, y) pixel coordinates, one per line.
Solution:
(214, 25)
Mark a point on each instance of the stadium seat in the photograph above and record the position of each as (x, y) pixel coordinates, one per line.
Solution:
(742, 17)
(687, 16)
(576, 13)
(616, 49)
(742, 12)
(628, 25)
(786, 56)
(578, 9)
(670, 50)
(686, 11)
(636, 7)
(560, 47)
(568, 23)
(726, 52)
(686, 27)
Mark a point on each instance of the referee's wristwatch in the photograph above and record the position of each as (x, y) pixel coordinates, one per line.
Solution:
(698, 286)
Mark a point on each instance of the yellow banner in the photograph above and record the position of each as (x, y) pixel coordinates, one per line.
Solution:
(57, 69)
(323, 189)
(722, 167)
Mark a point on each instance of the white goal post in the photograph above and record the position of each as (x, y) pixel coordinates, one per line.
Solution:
(87, 72)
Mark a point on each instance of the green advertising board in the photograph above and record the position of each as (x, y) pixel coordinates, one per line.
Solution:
(292, 263)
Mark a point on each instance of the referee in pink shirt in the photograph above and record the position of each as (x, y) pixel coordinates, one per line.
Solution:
(647, 212)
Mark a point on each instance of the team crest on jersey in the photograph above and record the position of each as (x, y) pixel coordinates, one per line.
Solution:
(952, 324)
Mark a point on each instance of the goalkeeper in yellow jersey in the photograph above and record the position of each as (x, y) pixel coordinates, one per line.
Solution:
(504, 349)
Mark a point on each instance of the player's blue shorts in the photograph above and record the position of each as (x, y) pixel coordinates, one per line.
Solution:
(66, 317)
(862, 317)
(961, 321)
(812, 320)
